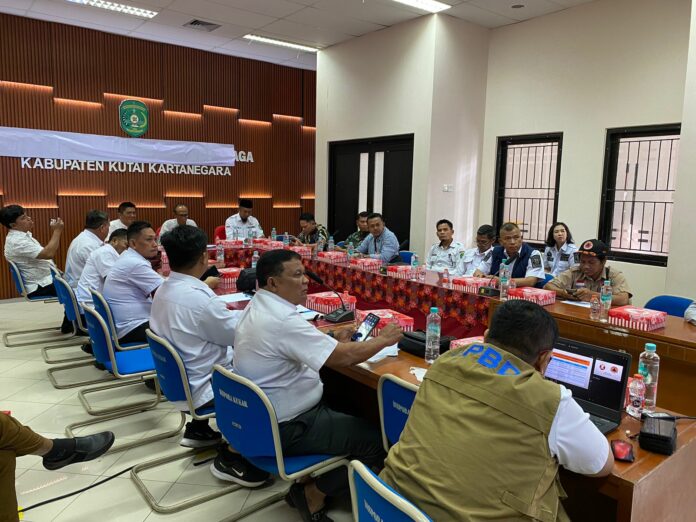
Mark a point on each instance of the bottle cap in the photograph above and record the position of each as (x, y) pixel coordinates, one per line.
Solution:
(650, 347)
(434, 310)
(638, 376)
(607, 282)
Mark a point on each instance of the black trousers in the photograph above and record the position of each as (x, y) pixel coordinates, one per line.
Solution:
(137, 335)
(323, 430)
(50, 291)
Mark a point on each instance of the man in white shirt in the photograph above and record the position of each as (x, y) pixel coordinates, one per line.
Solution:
(446, 253)
(197, 322)
(126, 216)
(86, 242)
(130, 283)
(242, 224)
(181, 212)
(98, 265)
(33, 261)
(472, 258)
(690, 314)
(525, 263)
(282, 353)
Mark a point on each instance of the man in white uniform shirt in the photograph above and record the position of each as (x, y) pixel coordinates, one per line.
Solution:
(447, 252)
(130, 283)
(181, 212)
(472, 258)
(126, 216)
(197, 322)
(242, 224)
(690, 313)
(33, 260)
(282, 353)
(98, 265)
(86, 242)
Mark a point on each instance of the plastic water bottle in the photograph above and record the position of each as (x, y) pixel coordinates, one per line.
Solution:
(274, 234)
(636, 396)
(649, 367)
(286, 241)
(219, 253)
(254, 259)
(414, 267)
(351, 250)
(605, 299)
(332, 245)
(445, 278)
(595, 308)
(504, 284)
(432, 336)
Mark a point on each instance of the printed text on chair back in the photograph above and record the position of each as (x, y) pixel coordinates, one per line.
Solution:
(167, 371)
(66, 297)
(396, 404)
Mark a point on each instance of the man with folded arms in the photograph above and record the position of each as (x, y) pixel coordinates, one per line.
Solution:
(187, 313)
(508, 429)
(282, 353)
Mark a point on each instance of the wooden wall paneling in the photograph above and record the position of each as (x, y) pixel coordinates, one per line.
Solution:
(222, 190)
(133, 67)
(79, 116)
(220, 124)
(27, 187)
(308, 147)
(255, 179)
(216, 217)
(309, 92)
(180, 126)
(25, 55)
(73, 210)
(286, 143)
(141, 189)
(183, 70)
(288, 100)
(307, 205)
(221, 81)
(285, 220)
(78, 63)
(264, 212)
(6, 285)
(81, 183)
(255, 90)
(26, 106)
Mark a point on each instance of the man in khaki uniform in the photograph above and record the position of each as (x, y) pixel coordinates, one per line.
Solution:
(486, 432)
(585, 280)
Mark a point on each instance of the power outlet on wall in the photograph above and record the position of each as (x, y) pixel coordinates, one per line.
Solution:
(447, 188)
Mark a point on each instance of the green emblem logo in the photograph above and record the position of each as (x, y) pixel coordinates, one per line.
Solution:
(133, 116)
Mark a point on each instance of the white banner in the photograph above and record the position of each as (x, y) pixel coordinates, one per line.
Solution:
(33, 143)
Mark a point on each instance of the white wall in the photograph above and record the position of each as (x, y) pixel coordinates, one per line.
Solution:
(609, 63)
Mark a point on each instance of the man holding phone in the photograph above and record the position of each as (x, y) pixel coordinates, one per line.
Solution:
(282, 353)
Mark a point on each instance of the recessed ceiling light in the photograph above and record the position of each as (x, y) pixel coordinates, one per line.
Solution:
(517, 6)
(118, 8)
(280, 43)
(432, 6)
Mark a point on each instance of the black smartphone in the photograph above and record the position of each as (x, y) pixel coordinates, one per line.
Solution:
(365, 328)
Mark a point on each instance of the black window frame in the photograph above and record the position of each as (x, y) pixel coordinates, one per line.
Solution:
(606, 213)
(502, 145)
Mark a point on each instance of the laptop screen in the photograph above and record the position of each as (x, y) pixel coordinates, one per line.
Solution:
(595, 375)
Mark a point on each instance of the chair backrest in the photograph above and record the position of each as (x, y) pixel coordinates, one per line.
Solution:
(406, 256)
(245, 416)
(671, 304)
(66, 296)
(17, 278)
(373, 500)
(55, 272)
(395, 398)
(219, 233)
(99, 336)
(103, 308)
(170, 369)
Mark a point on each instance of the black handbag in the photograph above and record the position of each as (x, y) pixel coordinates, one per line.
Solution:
(414, 343)
(246, 282)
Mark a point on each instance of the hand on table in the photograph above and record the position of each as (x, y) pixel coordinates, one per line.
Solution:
(391, 334)
(344, 333)
(212, 282)
(585, 294)
(478, 273)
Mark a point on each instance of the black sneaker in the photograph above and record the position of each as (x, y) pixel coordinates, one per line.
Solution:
(200, 436)
(86, 448)
(232, 467)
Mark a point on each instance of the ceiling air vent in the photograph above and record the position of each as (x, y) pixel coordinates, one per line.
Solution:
(202, 25)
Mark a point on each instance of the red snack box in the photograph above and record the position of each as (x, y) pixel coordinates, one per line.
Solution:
(400, 271)
(386, 317)
(228, 280)
(471, 284)
(458, 343)
(366, 263)
(333, 257)
(272, 245)
(535, 295)
(327, 302)
(304, 251)
(232, 243)
(638, 318)
(260, 241)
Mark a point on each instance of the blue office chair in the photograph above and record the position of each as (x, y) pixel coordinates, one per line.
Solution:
(671, 304)
(341, 244)
(7, 337)
(174, 383)
(131, 367)
(547, 279)
(395, 397)
(247, 420)
(372, 499)
(101, 305)
(406, 256)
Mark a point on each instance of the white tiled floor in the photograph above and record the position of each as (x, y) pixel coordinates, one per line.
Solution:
(26, 391)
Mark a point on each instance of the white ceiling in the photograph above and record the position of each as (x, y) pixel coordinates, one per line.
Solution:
(318, 23)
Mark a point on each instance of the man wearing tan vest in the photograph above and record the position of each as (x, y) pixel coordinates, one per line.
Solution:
(487, 432)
